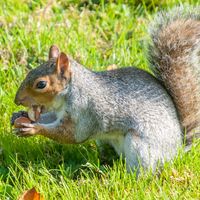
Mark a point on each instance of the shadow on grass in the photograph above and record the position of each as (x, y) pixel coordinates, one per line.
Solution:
(41, 152)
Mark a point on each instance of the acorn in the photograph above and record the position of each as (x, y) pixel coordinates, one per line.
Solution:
(18, 121)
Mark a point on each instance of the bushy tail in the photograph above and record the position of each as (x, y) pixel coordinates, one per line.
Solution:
(174, 56)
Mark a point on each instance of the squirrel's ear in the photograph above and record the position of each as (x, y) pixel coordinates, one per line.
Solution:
(54, 52)
(62, 64)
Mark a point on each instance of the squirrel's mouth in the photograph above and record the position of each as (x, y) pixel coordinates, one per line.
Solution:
(35, 111)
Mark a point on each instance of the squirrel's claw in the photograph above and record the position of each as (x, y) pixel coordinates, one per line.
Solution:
(25, 129)
(28, 125)
(28, 129)
(18, 133)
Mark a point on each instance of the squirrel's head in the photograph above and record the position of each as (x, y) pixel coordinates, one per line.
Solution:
(47, 81)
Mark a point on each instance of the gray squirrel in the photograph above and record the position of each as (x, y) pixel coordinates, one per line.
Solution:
(143, 117)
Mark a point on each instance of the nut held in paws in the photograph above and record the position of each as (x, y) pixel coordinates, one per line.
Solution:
(20, 120)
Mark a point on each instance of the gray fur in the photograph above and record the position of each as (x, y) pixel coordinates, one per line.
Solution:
(123, 105)
(159, 23)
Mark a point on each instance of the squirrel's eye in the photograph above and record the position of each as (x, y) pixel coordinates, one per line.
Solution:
(41, 84)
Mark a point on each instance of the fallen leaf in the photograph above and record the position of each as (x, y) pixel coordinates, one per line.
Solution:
(31, 194)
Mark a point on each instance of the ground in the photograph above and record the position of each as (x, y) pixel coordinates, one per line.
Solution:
(97, 34)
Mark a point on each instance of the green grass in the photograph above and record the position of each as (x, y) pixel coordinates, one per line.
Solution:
(97, 35)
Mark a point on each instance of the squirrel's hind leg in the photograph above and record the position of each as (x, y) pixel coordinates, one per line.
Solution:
(139, 152)
(131, 151)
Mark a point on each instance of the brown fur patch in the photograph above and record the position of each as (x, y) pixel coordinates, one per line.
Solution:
(63, 133)
(175, 45)
(28, 94)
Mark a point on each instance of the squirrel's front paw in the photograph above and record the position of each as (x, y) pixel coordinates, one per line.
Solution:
(28, 129)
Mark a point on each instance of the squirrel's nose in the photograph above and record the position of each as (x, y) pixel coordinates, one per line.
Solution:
(24, 101)
(17, 101)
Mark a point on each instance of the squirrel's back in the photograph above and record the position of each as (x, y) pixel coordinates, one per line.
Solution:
(174, 55)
